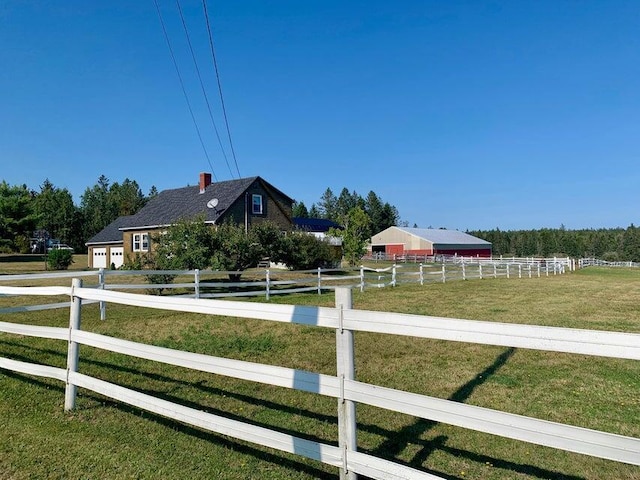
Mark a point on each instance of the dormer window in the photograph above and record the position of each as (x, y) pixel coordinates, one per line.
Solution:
(256, 204)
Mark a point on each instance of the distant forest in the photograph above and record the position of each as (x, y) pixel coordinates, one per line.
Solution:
(612, 244)
(24, 211)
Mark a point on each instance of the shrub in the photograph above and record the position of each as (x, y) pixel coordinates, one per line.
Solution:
(148, 261)
(59, 259)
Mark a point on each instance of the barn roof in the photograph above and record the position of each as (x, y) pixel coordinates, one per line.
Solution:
(447, 237)
(314, 224)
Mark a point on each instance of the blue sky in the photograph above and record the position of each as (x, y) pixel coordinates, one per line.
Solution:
(465, 115)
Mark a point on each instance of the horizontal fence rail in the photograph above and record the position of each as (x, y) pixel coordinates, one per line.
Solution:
(212, 284)
(344, 319)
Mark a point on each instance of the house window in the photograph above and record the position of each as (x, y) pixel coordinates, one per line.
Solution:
(256, 204)
(140, 242)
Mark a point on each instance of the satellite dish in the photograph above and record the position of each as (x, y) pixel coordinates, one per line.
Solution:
(213, 203)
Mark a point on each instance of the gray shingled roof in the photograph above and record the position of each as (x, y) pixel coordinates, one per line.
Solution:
(170, 206)
(447, 237)
(111, 233)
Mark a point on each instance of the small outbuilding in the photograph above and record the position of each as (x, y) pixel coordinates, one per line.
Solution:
(428, 241)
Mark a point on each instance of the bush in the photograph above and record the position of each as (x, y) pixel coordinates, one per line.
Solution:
(148, 261)
(59, 259)
(305, 252)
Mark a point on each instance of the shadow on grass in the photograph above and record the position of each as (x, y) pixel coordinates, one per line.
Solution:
(395, 443)
(411, 434)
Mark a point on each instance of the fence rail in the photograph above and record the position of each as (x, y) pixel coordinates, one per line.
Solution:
(343, 386)
(595, 262)
(212, 283)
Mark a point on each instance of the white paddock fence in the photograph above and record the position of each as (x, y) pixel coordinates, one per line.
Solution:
(343, 386)
(596, 262)
(213, 283)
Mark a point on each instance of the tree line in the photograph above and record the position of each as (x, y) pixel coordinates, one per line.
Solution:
(611, 244)
(382, 215)
(50, 213)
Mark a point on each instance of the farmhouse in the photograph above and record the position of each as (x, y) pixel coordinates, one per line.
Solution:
(245, 201)
(428, 241)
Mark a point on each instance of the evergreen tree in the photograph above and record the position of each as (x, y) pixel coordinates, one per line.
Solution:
(56, 212)
(327, 205)
(299, 210)
(18, 219)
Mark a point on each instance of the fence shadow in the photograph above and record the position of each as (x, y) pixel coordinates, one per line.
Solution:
(411, 434)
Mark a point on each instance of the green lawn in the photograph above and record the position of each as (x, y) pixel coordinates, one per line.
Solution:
(102, 439)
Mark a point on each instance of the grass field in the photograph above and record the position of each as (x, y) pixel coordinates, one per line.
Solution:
(102, 439)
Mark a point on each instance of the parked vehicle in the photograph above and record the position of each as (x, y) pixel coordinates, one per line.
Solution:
(59, 246)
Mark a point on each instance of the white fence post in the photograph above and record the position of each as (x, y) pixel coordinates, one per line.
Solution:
(267, 281)
(519, 271)
(319, 280)
(421, 275)
(480, 270)
(345, 362)
(393, 275)
(362, 278)
(73, 351)
(508, 270)
(464, 272)
(444, 275)
(196, 281)
(495, 271)
(103, 305)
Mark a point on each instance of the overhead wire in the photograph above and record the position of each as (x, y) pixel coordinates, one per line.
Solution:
(184, 91)
(204, 92)
(215, 65)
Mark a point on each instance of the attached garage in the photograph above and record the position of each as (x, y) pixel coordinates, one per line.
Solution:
(427, 241)
(107, 247)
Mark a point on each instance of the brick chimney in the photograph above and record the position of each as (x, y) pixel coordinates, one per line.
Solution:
(205, 181)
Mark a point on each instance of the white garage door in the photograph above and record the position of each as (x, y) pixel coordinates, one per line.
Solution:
(116, 256)
(99, 258)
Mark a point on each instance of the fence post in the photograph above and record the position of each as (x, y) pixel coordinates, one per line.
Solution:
(480, 270)
(519, 271)
(464, 272)
(362, 278)
(508, 270)
(345, 362)
(196, 281)
(267, 280)
(495, 271)
(421, 275)
(103, 305)
(444, 275)
(393, 275)
(538, 270)
(319, 280)
(73, 351)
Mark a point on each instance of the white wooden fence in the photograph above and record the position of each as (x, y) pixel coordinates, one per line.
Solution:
(317, 280)
(344, 386)
(595, 262)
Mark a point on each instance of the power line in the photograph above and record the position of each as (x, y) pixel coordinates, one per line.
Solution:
(204, 92)
(184, 91)
(215, 65)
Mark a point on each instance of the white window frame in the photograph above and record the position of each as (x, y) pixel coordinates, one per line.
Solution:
(140, 242)
(259, 204)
